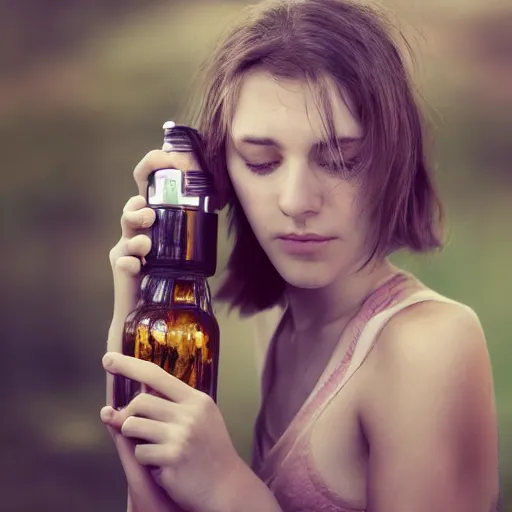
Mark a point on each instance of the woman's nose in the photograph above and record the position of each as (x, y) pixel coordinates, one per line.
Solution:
(300, 194)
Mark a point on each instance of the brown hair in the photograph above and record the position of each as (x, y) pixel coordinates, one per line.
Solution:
(317, 40)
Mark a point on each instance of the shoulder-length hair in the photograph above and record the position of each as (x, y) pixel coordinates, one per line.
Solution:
(322, 41)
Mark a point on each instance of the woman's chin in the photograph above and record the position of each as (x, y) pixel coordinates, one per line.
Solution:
(307, 279)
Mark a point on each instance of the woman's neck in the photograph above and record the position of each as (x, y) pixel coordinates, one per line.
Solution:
(340, 300)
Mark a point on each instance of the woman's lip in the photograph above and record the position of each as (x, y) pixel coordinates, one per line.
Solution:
(302, 246)
(306, 238)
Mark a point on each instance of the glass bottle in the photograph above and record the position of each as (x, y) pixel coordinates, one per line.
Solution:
(173, 324)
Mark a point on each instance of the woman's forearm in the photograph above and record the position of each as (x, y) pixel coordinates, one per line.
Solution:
(255, 498)
(150, 504)
(246, 492)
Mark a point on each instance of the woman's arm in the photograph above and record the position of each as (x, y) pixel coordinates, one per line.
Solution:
(429, 414)
(244, 491)
(199, 468)
(144, 494)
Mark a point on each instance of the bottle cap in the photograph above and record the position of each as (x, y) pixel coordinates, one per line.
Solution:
(184, 236)
(173, 187)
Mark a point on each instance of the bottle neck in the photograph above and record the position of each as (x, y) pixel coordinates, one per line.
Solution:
(184, 240)
(169, 289)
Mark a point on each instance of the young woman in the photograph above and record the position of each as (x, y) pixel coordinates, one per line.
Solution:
(377, 391)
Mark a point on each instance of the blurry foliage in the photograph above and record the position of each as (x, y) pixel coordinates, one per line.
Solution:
(82, 99)
(34, 30)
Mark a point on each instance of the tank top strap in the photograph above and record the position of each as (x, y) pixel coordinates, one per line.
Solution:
(395, 295)
(372, 328)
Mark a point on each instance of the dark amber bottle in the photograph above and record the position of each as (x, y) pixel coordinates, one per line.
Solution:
(173, 324)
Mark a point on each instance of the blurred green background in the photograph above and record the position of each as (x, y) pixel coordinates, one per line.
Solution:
(84, 90)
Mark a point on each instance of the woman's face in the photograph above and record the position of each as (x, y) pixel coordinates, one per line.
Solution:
(308, 220)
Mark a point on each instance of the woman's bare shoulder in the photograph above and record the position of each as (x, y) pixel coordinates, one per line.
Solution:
(433, 339)
(431, 325)
(428, 409)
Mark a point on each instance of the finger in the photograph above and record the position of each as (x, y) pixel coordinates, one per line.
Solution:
(135, 203)
(133, 222)
(126, 287)
(150, 374)
(158, 159)
(153, 407)
(139, 246)
(144, 405)
(135, 215)
(142, 487)
(155, 454)
(146, 430)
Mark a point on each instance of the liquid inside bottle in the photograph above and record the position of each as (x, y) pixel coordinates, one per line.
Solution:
(173, 326)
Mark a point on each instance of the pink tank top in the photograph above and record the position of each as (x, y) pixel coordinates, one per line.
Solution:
(287, 465)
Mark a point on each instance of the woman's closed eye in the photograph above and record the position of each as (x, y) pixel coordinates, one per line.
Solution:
(328, 164)
(263, 168)
(345, 166)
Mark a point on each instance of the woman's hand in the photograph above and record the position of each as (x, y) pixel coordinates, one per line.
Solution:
(134, 244)
(144, 494)
(184, 438)
(187, 441)
(125, 259)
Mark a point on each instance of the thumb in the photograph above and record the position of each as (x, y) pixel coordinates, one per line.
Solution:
(126, 273)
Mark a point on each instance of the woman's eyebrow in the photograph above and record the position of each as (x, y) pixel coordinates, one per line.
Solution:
(269, 142)
(259, 141)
